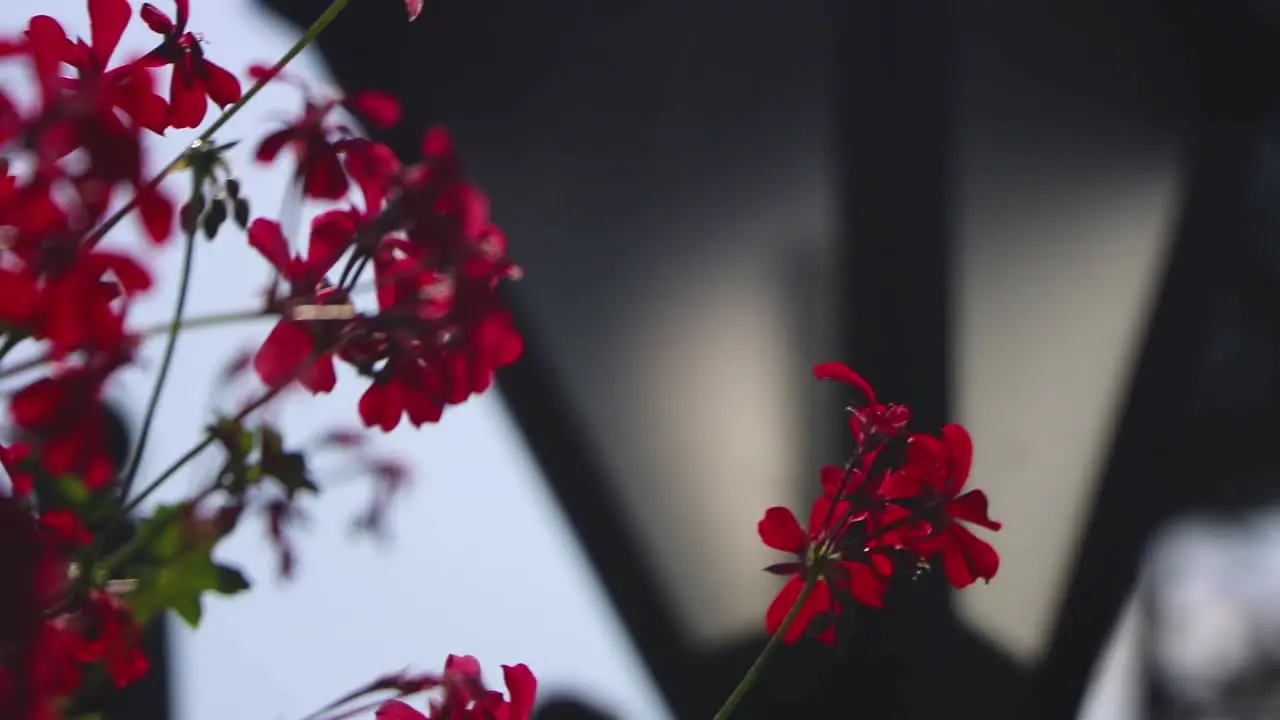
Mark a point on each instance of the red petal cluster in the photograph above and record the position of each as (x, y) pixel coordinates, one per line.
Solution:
(440, 327)
(42, 653)
(899, 502)
(464, 696)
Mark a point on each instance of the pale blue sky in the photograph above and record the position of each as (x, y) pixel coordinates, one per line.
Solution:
(481, 558)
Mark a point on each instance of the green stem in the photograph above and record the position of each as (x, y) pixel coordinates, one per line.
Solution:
(194, 323)
(206, 321)
(175, 326)
(328, 16)
(195, 451)
(757, 668)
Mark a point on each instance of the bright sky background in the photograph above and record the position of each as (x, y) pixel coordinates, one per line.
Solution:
(481, 559)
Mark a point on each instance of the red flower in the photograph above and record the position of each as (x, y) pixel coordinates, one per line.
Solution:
(932, 482)
(116, 639)
(819, 558)
(81, 303)
(65, 414)
(294, 340)
(128, 87)
(315, 144)
(194, 77)
(466, 698)
(871, 421)
(38, 657)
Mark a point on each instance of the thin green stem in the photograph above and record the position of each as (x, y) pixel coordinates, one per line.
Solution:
(195, 451)
(175, 327)
(757, 667)
(328, 16)
(193, 323)
(206, 321)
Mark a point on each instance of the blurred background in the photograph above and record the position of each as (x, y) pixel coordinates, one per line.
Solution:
(1057, 223)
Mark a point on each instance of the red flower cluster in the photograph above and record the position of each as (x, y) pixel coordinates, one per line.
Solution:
(440, 327)
(42, 649)
(465, 697)
(899, 501)
(435, 329)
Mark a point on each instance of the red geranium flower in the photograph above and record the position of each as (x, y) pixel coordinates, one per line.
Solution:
(871, 421)
(932, 482)
(117, 639)
(316, 145)
(293, 340)
(194, 77)
(466, 698)
(819, 558)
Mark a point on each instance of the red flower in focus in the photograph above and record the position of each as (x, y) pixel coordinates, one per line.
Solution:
(194, 77)
(932, 482)
(819, 558)
(117, 639)
(871, 421)
(466, 698)
(315, 144)
(294, 340)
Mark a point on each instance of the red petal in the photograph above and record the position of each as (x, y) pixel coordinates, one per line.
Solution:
(267, 238)
(865, 584)
(972, 507)
(382, 110)
(325, 179)
(285, 351)
(65, 528)
(36, 405)
(156, 20)
(187, 102)
(382, 405)
(19, 297)
(133, 278)
(842, 373)
(222, 86)
(319, 377)
(967, 557)
(959, 448)
(437, 145)
(780, 530)
(522, 686)
(834, 482)
(107, 21)
(157, 215)
(396, 710)
(414, 7)
(818, 602)
(331, 233)
(272, 144)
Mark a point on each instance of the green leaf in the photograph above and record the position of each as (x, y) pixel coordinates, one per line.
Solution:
(181, 570)
(289, 468)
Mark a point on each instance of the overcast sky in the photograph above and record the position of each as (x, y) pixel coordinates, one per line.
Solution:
(481, 559)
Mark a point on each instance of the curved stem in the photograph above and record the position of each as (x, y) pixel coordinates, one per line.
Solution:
(335, 8)
(188, 256)
(757, 667)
